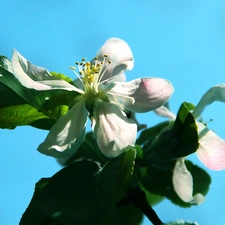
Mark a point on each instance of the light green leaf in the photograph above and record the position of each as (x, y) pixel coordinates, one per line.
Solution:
(19, 115)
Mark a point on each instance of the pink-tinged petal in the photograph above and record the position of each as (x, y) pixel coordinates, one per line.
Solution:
(112, 129)
(216, 93)
(142, 95)
(183, 183)
(67, 134)
(211, 151)
(120, 55)
(34, 77)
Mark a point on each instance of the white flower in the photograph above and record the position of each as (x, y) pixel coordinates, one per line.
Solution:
(102, 98)
(211, 150)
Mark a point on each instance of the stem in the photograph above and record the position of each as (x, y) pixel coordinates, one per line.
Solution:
(140, 201)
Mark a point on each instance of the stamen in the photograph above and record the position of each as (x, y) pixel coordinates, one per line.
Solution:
(91, 74)
(103, 73)
(73, 68)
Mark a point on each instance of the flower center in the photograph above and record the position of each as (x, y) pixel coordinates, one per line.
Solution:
(91, 75)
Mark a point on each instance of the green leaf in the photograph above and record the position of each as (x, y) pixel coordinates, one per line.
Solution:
(53, 103)
(63, 77)
(149, 134)
(158, 181)
(125, 215)
(178, 141)
(201, 179)
(33, 215)
(8, 97)
(19, 115)
(85, 192)
(152, 199)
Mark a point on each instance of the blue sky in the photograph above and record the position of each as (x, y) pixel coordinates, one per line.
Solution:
(182, 41)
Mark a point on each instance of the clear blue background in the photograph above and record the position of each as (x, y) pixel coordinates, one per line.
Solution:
(180, 40)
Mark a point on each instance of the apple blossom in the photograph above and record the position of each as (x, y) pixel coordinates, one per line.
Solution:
(101, 96)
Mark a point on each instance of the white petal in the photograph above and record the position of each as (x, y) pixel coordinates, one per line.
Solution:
(182, 181)
(113, 130)
(67, 134)
(216, 93)
(120, 55)
(211, 151)
(147, 93)
(198, 199)
(165, 112)
(31, 76)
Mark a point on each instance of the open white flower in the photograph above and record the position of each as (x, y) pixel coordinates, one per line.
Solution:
(101, 98)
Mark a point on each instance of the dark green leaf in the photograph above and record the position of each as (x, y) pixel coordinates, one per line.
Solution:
(178, 141)
(150, 133)
(8, 97)
(84, 192)
(34, 216)
(159, 181)
(125, 215)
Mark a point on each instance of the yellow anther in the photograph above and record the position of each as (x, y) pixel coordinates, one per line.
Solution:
(109, 61)
(83, 59)
(105, 55)
(87, 64)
